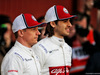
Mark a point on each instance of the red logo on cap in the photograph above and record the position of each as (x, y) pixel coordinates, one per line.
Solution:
(65, 10)
(34, 18)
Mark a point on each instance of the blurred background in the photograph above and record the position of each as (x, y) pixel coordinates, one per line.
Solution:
(38, 8)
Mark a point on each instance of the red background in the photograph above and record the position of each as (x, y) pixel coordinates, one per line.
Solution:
(38, 8)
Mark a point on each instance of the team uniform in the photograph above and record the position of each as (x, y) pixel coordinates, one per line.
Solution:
(20, 60)
(54, 56)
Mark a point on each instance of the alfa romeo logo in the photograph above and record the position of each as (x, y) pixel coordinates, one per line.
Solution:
(33, 18)
(65, 10)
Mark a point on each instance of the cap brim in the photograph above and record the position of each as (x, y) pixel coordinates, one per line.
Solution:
(42, 24)
(72, 16)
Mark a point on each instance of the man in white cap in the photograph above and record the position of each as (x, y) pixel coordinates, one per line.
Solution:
(54, 54)
(21, 60)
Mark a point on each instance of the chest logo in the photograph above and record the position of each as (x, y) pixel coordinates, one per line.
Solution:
(53, 50)
(28, 59)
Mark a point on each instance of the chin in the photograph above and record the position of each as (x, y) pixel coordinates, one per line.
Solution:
(66, 34)
(34, 42)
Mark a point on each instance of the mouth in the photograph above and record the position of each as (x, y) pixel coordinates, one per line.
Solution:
(67, 30)
(36, 38)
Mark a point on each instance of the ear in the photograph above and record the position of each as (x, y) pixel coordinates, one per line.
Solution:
(20, 33)
(53, 24)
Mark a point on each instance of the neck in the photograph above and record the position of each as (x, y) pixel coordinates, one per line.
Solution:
(59, 36)
(23, 42)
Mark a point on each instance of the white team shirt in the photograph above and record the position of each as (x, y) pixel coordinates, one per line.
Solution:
(20, 60)
(54, 55)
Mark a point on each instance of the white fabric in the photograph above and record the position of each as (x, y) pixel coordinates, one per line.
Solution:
(50, 15)
(21, 59)
(18, 24)
(52, 52)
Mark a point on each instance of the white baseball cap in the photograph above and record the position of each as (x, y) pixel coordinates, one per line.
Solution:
(57, 12)
(24, 21)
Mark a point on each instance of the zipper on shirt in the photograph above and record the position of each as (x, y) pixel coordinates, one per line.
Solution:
(63, 58)
(35, 65)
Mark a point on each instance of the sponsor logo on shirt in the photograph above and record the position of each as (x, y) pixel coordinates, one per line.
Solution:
(28, 59)
(53, 50)
(12, 70)
(61, 70)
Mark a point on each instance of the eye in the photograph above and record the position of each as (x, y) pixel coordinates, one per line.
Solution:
(65, 20)
(36, 28)
(33, 29)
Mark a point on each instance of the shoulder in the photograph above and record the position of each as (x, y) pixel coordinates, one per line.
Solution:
(12, 60)
(68, 47)
(14, 54)
(42, 45)
(44, 42)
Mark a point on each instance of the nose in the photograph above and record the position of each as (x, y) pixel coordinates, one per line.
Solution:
(69, 24)
(38, 33)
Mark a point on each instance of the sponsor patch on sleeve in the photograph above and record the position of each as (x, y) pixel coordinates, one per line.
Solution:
(12, 70)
